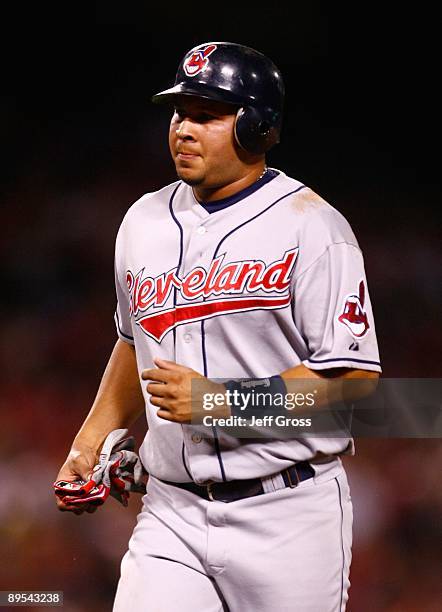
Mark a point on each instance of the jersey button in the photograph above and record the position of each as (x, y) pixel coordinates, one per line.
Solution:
(187, 338)
(196, 438)
(201, 230)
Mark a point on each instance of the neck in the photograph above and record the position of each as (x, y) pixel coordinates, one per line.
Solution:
(205, 194)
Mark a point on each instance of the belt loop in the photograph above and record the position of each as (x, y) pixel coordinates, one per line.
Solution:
(209, 492)
(289, 478)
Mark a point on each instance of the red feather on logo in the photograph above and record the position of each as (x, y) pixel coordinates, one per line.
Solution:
(198, 61)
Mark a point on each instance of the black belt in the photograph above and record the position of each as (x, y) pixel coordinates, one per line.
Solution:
(234, 490)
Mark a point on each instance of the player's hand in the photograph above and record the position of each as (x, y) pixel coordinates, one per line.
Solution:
(171, 391)
(78, 466)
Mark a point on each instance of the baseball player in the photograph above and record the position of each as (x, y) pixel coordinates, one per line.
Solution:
(235, 271)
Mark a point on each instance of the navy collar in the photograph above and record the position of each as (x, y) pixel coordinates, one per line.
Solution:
(212, 207)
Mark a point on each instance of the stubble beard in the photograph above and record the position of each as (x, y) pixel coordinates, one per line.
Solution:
(189, 180)
(192, 182)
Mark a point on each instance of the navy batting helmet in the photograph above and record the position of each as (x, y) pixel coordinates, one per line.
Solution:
(239, 75)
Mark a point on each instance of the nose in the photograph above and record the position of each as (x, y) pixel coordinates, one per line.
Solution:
(184, 130)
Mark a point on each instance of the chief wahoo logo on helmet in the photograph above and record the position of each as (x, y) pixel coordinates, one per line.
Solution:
(198, 61)
(354, 316)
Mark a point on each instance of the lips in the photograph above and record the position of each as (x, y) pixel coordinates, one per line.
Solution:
(186, 154)
(186, 159)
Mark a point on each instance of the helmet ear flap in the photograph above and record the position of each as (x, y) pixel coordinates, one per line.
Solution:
(257, 130)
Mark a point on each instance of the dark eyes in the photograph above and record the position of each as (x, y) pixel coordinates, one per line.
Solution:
(205, 117)
(199, 117)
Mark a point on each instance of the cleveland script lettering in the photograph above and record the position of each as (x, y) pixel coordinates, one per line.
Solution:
(239, 278)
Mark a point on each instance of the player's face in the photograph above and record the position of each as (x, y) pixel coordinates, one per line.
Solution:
(202, 143)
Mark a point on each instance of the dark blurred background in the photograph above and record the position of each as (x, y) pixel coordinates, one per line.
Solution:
(81, 142)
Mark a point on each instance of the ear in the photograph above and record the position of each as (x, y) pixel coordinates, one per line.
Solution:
(257, 130)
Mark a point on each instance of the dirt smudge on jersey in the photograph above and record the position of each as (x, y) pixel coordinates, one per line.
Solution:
(306, 200)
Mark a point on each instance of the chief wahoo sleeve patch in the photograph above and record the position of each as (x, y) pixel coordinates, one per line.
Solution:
(353, 315)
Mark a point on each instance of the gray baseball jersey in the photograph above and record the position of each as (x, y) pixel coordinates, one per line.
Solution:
(271, 280)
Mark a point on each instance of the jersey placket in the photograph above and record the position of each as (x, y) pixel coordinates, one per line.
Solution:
(198, 440)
